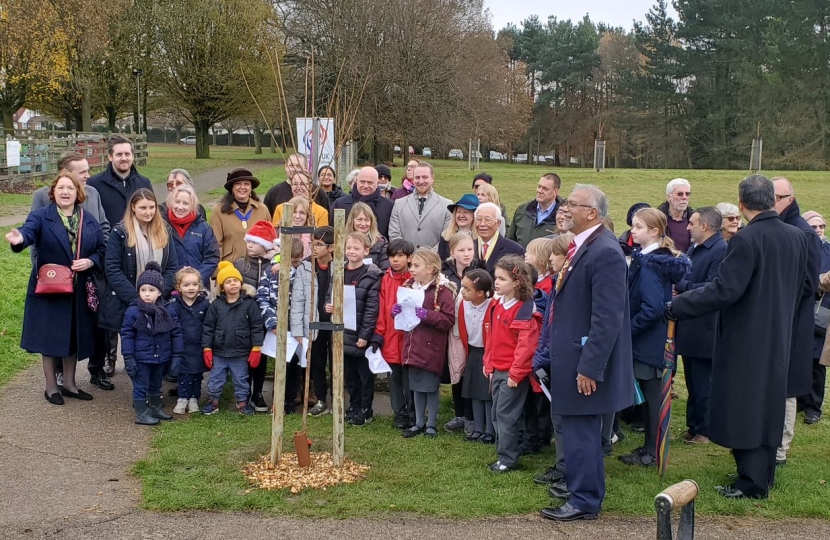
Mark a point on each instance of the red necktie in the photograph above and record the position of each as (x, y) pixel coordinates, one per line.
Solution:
(571, 250)
(484, 250)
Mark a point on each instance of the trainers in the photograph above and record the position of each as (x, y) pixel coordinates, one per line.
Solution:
(549, 476)
(101, 381)
(210, 407)
(192, 405)
(259, 403)
(244, 408)
(59, 377)
(456, 424)
(181, 406)
(362, 417)
(319, 409)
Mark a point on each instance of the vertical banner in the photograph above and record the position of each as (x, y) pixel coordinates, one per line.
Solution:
(305, 131)
(13, 154)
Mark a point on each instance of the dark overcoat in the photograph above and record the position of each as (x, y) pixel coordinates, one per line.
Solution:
(115, 193)
(756, 294)
(696, 337)
(591, 331)
(48, 319)
(504, 246)
(380, 205)
(800, 375)
(120, 265)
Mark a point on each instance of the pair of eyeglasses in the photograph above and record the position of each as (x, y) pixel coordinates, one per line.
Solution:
(684, 193)
(779, 198)
(486, 221)
(818, 227)
(570, 204)
(732, 218)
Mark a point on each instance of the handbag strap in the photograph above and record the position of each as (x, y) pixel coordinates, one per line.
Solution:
(80, 231)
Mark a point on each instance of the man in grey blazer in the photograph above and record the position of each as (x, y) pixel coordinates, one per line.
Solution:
(77, 164)
(422, 216)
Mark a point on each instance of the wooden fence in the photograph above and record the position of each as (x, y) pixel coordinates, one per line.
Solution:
(41, 150)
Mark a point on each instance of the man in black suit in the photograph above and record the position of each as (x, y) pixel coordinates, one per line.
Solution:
(756, 294)
(490, 245)
(590, 349)
(366, 190)
(696, 337)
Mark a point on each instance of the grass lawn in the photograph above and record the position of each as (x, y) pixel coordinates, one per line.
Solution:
(164, 157)
(196, 464)
(15, 269)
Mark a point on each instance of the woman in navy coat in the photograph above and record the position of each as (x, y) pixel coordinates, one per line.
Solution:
(195, 243)
(653, 270)
(61, 327)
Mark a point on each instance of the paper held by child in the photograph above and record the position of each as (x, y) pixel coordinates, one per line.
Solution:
(349, 308)
(409, 300)
(377, 363)
(269, 347)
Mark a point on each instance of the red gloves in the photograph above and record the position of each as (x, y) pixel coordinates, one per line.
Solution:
(208, 354)
(253, 358)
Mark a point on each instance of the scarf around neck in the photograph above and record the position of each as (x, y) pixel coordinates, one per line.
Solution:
(144, 252)
(181, 224)
(154, 320)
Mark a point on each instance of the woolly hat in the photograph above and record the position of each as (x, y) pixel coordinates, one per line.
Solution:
(633, 210)
(151, 276)
(383, 170)
(227, 271)
(262, 233)
(482, 176)
(810, 214)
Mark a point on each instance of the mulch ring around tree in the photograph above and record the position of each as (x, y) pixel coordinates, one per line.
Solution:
(287, 474)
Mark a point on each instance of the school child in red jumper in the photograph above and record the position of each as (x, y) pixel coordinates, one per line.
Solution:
(511, 331)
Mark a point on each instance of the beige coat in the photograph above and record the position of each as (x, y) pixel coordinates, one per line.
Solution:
(824, 286)
(229, 231)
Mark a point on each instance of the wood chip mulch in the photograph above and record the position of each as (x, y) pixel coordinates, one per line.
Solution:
(321, 474)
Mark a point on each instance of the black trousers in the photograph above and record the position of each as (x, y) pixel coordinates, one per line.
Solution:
(462, 407)
(257, 375)
(651, 412)
(293, 380)
(101, 346)
(531, 440)
(360, 382)
(698, 373)
(812, 402)
(756, 470)
(320, 358)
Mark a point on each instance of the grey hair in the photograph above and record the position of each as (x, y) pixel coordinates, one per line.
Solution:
(491, 206)
(728, 209)
(352, 176)
(757, 193)
(596, 198)
(182, 172)
(676, 183)
(710, 216)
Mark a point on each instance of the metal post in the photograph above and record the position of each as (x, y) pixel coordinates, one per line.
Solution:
(278, 405)
(338, 424)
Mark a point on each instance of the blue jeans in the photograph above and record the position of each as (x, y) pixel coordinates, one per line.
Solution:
(190, 385)
(148, 380)
(238, 368)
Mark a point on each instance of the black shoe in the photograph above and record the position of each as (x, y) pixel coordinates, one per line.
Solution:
(412, 432)
(637, 428)
(487, 439)
(101, 381)
(549, 476)
(780, 462)
(559, 490)
(259, 403)
(499, 467)
(529, 449)
(54, 399)
(811, 419)
(731, 492)
(566, 512)
(80, 394)
(430, 432)
(474, 436)
(401, 423)
(172, 377)
(639, 457)
(607, 450)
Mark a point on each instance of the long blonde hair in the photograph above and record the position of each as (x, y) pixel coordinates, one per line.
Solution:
(363, 208)
(540, 249)
(156, 230)
(491, 192)
(653, 218)
(302, 202)
(452, 228)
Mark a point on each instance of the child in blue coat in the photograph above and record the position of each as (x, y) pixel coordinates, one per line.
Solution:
(189, 304)
(151, 339)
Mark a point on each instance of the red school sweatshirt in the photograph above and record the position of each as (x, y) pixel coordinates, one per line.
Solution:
(510, 338)
(392, 339)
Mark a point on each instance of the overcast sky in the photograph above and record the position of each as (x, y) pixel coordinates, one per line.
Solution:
(615, 12)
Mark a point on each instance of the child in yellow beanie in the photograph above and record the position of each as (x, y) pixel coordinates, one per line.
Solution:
(233, 334)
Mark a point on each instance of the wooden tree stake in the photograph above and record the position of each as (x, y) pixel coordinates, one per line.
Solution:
(278, 406)
(337, 339)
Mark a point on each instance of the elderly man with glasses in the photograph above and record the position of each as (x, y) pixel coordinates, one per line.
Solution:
(490, 246)
(677, 210)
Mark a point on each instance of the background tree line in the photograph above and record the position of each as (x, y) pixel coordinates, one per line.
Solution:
(686, 93)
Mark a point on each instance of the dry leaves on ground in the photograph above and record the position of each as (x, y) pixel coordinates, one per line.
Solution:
(321, 474)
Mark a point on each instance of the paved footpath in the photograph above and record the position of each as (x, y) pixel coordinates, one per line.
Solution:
(65, 473)
(215, 178)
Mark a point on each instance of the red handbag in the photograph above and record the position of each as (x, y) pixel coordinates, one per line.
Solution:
(57, 278)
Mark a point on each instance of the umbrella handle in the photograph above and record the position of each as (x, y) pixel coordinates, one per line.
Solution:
(670, 333)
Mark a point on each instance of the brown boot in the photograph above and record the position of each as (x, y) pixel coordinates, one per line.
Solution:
(312, 398)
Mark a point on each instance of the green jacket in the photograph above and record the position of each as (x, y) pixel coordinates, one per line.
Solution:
(524, 227)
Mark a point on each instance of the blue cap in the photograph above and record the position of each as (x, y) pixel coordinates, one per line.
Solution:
(468, 201)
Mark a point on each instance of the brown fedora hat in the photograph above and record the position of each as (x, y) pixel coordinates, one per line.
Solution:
(241, 174)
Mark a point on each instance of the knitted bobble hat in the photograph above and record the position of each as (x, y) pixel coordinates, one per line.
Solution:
(151, 276)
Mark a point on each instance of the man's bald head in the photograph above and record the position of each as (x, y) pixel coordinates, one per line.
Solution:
(367, 181)
(784, 193)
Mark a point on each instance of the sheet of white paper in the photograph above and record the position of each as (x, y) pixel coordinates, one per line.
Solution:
(376, 362)
(410, 300)
(545, 391)
(368, 260)
(292, 347)
(349, 308)
(13, 153)
(269, 345)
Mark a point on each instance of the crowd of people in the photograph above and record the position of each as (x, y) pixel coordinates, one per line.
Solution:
(551, 298)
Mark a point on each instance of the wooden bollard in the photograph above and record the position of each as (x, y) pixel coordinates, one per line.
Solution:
(681, 495)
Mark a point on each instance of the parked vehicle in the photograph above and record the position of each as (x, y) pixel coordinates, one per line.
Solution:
(497, 156)
(189, 140)
(455, 153)
(426, 152)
